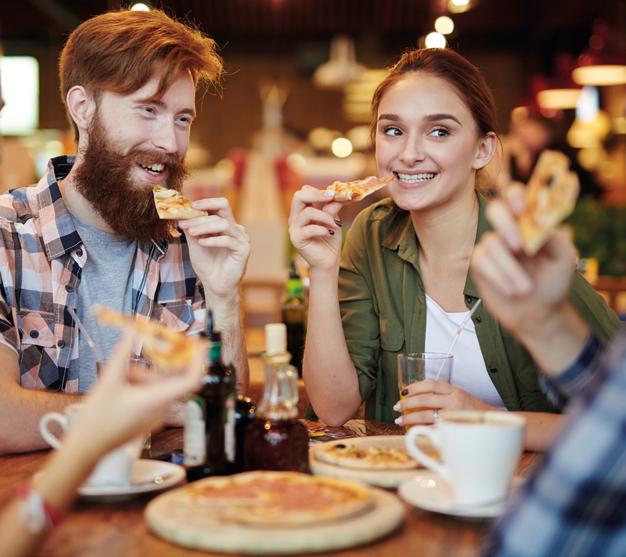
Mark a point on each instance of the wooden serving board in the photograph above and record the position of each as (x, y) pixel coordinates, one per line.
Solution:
(381, 478)
(186, 526)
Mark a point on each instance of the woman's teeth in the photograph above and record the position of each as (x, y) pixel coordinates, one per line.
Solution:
(415, 178)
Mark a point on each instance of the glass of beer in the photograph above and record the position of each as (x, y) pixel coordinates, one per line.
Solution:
(419, 366)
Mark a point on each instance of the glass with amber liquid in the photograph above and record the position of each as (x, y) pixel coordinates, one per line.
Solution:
(419, 366)
(276, 440)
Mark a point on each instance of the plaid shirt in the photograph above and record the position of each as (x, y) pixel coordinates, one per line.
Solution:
(575, 503)
(41, 260)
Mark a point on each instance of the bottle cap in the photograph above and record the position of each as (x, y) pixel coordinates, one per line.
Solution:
(275, 338)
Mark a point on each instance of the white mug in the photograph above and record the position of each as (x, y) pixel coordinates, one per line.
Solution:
(114, 469)
(480, 451)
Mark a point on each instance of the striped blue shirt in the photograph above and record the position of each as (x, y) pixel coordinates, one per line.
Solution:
(574, 505)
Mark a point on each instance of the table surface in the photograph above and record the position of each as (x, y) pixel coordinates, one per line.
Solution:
(118, 529)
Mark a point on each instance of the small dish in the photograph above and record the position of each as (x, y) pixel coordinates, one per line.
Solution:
(148, 476)
(429, 491)
(389, 478)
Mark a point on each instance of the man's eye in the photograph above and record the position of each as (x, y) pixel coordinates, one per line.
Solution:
(148, 109)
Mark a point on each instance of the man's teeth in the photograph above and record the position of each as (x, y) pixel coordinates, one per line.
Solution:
(156, 168)
(414, 178)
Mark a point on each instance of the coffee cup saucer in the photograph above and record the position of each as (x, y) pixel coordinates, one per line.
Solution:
(429, 491)
(147, 476)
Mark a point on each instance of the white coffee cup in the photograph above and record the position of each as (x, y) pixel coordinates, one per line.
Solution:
(480, 451)
(114, 469)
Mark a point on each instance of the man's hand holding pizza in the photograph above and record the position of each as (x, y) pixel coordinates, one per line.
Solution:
(218, 247)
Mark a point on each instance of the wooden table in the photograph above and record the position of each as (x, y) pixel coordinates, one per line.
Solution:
(118, 530)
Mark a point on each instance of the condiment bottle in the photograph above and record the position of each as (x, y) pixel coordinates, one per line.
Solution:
(276, 440)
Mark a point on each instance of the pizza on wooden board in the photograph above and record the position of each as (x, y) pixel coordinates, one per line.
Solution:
(168, 350)
(356, 190)
(276, 499)
(551, 196)
(173, 205)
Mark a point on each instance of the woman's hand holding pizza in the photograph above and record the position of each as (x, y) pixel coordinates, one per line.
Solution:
(429, 397)
(124, 405)
(520, 290)
(315, 229)
(218, 247)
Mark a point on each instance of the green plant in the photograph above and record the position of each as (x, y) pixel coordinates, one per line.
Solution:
(600, 232)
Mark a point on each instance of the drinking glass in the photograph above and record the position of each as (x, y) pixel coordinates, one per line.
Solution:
(419, 366)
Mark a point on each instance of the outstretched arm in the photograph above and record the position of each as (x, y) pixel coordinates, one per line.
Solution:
(329, 374)
(119, 408)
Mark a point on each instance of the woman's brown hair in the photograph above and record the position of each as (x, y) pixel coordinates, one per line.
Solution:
(466, 79)
(119, 51)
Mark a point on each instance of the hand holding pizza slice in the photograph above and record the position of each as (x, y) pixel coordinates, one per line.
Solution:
(551, 196)
(356, 190)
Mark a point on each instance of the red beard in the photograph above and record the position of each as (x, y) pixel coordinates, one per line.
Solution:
(103, 179)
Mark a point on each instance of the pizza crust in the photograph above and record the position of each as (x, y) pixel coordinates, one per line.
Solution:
(551, 196)
(173, 205)
(356, 190)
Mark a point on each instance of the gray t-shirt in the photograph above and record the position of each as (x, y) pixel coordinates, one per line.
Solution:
(105, 280)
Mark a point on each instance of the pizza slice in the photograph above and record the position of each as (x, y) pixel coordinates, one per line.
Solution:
(356, 190)
(173, 205)
(167, 349)
(551, 196)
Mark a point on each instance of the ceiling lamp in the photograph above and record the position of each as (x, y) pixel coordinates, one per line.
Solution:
(604, 63)
(435, 40)
(592, 125)
(444, 25)
(357, 104)
(558, 92)
(342, 67)
(459, 6)
(558, 99)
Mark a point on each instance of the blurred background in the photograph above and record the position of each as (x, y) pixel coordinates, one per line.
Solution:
(294, 105)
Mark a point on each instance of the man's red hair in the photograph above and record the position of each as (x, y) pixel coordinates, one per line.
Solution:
(120, 51)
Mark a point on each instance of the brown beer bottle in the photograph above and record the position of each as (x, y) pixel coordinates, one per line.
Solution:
(276, 440)
(293, 312)
(209, 439)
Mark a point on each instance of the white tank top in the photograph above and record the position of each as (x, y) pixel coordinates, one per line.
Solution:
(468, 370)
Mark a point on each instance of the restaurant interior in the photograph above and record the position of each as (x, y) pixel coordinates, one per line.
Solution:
(293, 108)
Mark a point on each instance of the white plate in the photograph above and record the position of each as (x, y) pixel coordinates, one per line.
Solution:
(388, 478)
(427, 490)
(148, 476)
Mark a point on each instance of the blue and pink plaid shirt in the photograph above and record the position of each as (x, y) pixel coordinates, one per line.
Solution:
(41, 260)
(574, 505)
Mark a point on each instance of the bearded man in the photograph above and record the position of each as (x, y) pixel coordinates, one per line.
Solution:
(89, 233)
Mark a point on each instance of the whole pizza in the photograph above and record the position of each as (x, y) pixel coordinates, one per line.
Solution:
(276, 499)
(365, 457)
(273, 513)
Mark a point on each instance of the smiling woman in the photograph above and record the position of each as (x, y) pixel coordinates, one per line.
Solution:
(404, 283)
